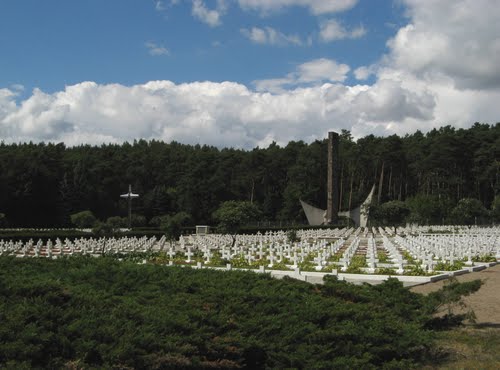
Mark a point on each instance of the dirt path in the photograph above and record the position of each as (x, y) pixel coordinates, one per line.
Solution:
(485, 302)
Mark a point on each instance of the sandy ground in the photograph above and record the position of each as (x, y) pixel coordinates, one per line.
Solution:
(485, 302)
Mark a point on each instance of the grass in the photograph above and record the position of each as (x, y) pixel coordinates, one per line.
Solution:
(470, 347)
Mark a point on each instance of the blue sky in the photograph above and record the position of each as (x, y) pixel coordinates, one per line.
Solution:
(243, 72)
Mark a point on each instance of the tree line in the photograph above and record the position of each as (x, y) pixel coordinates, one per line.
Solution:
(43, 184)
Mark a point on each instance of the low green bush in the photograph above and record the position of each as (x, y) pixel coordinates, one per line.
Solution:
(84, 312)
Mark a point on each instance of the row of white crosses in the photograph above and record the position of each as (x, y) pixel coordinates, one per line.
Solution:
(395, 255)
(430, 249)
(349, 252)
(90, 246)
(371, 253)
(273, 247)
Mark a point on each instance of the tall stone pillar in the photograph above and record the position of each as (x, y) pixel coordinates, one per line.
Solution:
(333, 179)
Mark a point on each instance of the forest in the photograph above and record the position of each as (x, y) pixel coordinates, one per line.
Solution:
(43, 184)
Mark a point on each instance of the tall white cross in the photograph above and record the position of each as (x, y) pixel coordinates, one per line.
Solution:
(129, 196)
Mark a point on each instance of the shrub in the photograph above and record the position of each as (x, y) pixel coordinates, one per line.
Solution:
(101, 313)
(117, 222)
(83, 220)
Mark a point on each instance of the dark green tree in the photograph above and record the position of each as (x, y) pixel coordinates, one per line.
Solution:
(117, 222)
(495, 209)
(232, 215)
(469, 211)
(428, 209)
(172, 225)
(83, 219)
(3, 220)
(392, 213)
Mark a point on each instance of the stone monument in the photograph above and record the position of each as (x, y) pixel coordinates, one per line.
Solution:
(316, 216)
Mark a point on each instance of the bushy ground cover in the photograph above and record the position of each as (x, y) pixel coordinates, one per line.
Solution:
(84, 312)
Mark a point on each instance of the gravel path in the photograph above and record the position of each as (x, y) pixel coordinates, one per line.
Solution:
(485, 302)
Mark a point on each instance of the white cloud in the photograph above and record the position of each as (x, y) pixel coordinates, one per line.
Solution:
(332, 30)
(163, 5)
(270, 36)
(229, 114)
(459, 39)
(313, 72)
(442, 68)
(322, 70)
(7, 102)
(316, 7)
(212, 17)
(17, 87)
(155, 49)
(364, 72)
(160, 5)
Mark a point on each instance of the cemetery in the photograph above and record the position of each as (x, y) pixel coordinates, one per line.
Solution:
(152, 290)
(413, 255)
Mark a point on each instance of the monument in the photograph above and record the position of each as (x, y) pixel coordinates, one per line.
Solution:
(333, 179)
(317, 216)
(129, 196)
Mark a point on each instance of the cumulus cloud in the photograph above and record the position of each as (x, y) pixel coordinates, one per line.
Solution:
(321, 70)
(221, 114)
(316, 7)
(364, 72)
(332, 30)
(270, 36)
(441, 68)
(7, 101)
(212, 17)
(458, 39)
(155, 49)
(313, 72)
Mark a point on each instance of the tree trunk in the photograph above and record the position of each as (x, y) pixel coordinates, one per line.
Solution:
(380, 183)
(390, 184)
(341, 187)
(350, 192)
(253, 188)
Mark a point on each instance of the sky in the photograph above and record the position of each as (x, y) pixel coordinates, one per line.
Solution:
(244, 73)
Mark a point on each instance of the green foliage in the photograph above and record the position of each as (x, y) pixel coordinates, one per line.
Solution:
(53, 181)
(427, 209)
(416, 270)
(217, 261)
(408, 257)
(307, 263)
(446, 266)
(280, 266)
(469, 211)
(447, 299)
(385, 271)
(292, 236)
(357, 262)
(102, 229)
(83, 220)
(101, 313)
(239, 262)
(117, 222)
(172, 225)
(138, 220)
(382, 256)
(484, 258)
(3, 220)
(232, 215)
(495, 208)
(392, 213)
